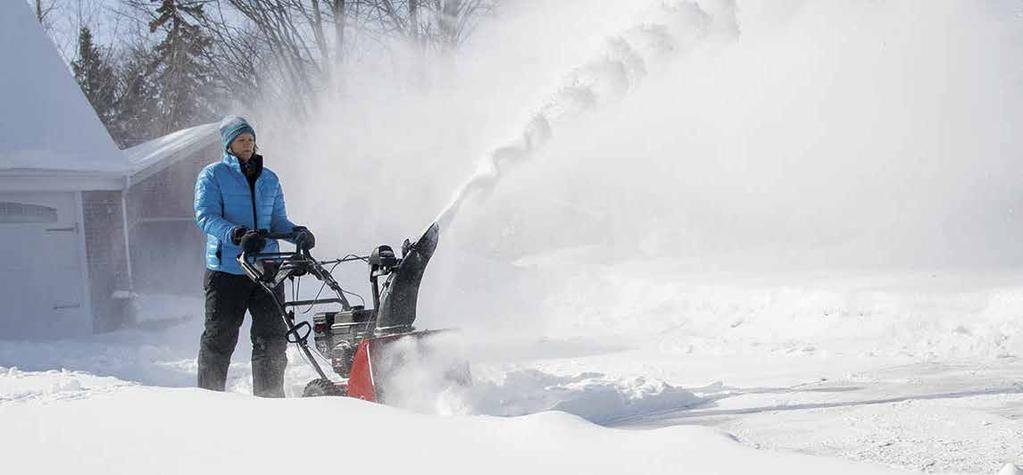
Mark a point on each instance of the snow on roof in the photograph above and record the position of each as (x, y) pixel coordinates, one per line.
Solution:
(46, 123)
(157, 154)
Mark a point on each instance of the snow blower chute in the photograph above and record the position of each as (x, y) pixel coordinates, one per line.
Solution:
(366, 347)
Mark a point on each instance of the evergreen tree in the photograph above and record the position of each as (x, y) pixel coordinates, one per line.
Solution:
(182, 75)
(95, 76)
(136, 111)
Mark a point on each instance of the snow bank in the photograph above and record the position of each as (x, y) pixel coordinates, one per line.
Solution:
(592, 396)
(17, 385)
(188, 431)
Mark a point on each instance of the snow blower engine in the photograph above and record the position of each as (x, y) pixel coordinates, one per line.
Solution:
(366, 347)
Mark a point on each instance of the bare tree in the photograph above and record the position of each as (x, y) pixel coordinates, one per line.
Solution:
(339, 12)
(302, 45)
(43, 10)
(278, 48)
(454, 20)
(287, 51)
(438, 24)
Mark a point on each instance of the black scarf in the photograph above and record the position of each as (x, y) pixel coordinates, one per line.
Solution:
(252, 167)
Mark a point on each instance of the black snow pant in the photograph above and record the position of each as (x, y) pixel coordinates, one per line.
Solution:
(227, 298)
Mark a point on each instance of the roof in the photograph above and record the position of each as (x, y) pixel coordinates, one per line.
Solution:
(46, 123)
(155, 155)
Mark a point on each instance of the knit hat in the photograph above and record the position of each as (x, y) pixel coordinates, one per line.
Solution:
(231, 127)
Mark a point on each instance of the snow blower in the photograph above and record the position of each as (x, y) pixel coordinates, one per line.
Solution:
(365, 347)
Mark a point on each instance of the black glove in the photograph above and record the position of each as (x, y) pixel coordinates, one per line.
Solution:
(236, 234)
(304, 238)
(251, 242)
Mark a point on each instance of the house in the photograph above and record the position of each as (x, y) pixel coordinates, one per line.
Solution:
(64, 265)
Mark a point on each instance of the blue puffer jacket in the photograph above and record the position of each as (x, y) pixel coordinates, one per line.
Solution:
(223, 200)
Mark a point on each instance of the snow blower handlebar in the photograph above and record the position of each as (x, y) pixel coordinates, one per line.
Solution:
(270, 269)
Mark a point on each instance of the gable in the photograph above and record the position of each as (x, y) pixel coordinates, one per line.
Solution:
(46, 123)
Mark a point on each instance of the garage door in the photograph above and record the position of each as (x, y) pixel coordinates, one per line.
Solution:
(41, 275)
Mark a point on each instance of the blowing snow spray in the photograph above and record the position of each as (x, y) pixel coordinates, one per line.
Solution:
(673, 30)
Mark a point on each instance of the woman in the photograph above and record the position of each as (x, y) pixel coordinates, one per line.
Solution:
(233, 199)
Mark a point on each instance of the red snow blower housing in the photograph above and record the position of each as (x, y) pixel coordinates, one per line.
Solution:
(365, 347)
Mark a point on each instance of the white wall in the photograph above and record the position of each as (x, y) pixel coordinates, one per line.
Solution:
(42, 270)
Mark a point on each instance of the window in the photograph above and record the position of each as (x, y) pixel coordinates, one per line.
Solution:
(18, 213)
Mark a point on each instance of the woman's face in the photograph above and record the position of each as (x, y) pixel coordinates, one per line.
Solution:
(243, 146)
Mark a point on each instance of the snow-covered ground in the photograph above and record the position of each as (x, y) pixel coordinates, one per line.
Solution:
(913, 369)
(810, 373)
(148, 430)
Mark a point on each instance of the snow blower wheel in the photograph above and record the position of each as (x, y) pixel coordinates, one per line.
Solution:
(322, 387)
